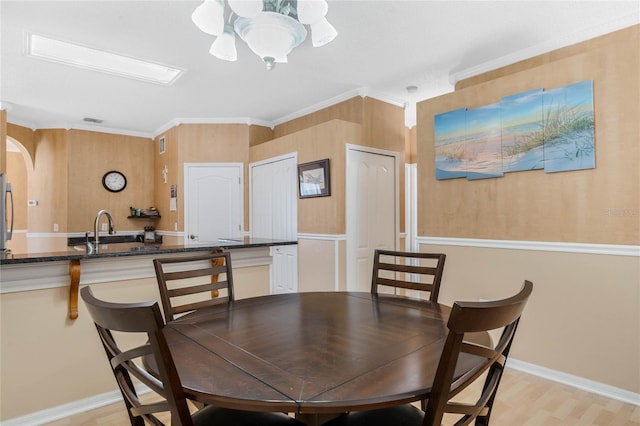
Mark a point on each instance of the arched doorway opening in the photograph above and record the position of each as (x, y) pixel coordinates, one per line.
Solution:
(19, 172)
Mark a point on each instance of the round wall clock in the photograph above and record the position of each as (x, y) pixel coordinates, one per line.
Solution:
(114, 181)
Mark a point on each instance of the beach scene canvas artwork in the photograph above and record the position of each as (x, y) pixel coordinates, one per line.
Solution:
(450, 138)
(538, 129)
(482, 147)
(569, 142)
(522, 131)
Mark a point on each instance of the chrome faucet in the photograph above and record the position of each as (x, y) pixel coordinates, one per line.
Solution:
(112, 229)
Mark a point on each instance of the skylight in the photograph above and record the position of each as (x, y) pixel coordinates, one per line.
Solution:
(42, 47)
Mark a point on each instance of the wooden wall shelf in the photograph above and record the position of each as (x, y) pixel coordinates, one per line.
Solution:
(144, 217)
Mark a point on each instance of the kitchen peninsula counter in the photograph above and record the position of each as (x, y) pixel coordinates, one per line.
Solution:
(137, 249)
(126, 262)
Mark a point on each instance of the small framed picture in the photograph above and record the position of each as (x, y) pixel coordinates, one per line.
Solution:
(314, 179)
(161, 147)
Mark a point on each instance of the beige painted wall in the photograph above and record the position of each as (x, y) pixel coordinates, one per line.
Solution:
(69, 164)
(599, 205)
(322, 215)
(90, 156)
(583, 318)
(54, 360)
(317, 265)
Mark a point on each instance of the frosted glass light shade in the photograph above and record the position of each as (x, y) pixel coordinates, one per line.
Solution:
(271, 35)
(225, 45)
(322, 32)
(209, 17)
(246, 8)
(311, 11)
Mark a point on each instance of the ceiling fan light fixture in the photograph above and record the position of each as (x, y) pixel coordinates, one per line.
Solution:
(271, 35)
(246, 8)
(271, 28)
(322, 32)
(311, 11)
(209, 17)
(225, 45)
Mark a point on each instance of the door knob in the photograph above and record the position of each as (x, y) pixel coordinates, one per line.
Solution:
(193, 237)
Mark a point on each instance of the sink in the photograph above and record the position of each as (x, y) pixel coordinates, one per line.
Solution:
(105, 239)
(118, 247)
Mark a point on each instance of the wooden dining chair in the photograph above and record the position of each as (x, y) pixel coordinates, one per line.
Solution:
(194, 282)
(146, 318)
(425, 268)
(466, 317)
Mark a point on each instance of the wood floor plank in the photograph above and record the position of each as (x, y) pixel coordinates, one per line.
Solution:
(523, 400)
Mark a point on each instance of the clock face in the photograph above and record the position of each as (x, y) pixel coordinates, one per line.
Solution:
(114, 181)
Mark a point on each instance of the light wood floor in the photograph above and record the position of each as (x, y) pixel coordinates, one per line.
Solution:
(523, 400)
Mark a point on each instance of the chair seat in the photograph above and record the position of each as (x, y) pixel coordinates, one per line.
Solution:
(227, 417)
(402, 415)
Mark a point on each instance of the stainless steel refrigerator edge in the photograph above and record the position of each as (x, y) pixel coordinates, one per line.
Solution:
(6, 229)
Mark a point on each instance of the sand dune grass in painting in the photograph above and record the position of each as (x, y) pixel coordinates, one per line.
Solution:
(537, 129)
(522, 131)
(569, 128)
(450, 138)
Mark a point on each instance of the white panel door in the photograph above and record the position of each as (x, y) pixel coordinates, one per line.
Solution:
(371, 212)
(274, 214)
(213, 202)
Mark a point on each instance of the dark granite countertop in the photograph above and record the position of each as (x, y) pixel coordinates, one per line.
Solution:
(136, 249)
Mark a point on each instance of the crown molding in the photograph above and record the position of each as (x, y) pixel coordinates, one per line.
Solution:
(110, 130)
(545, 47)
(88, 127)
(320, 105)
(361, 92)
(211, 120)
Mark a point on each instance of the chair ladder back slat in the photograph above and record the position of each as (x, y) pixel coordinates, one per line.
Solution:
(193, 273)
(417, 276)
(405, 284)
(188, 307)
(201, 288)
(218, 268)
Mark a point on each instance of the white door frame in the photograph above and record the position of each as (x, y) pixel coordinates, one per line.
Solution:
(189, 166)
(350, 197)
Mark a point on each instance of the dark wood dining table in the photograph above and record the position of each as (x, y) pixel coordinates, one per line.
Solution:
(312, 354)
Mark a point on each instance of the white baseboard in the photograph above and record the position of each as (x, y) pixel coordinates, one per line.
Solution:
(67, 410)
(576, 382)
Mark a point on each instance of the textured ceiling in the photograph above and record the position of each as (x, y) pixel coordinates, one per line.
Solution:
(382, 47)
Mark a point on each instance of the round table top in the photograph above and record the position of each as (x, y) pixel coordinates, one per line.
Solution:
(312, 353)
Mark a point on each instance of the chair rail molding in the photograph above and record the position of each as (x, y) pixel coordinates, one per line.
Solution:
(608, 249)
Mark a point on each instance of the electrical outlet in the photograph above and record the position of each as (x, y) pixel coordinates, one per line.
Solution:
(56, 228)
(104, 226)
